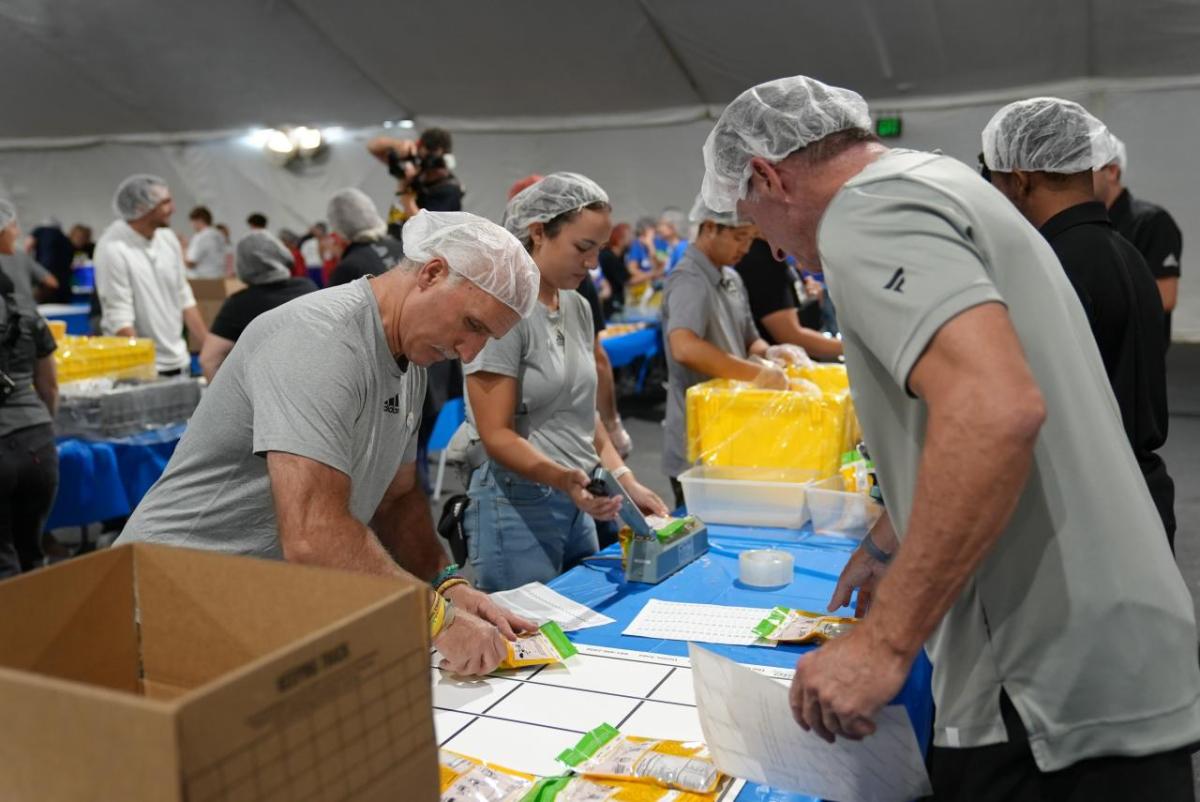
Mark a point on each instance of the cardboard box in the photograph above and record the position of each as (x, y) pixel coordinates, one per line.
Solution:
(151, 673)
(210, 293)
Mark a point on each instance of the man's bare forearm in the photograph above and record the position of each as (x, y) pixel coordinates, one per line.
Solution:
(405, 528)
(970, 478)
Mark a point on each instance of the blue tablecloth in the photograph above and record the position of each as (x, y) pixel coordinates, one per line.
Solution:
(74, 315)
(622, 349)
(102, 479)
(713, 579)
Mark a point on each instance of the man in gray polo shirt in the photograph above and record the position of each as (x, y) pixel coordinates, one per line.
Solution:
(709, 328)
(1034, 568)
(303, 447)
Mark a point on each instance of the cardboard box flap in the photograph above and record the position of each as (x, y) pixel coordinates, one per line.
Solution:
(204, 614)
(77, 744)
(74, 620)
(346, 714)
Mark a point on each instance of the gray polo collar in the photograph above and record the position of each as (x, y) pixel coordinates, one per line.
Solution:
(703, 264)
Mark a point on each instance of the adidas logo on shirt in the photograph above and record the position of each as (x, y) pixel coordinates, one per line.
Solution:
(392, 405)
(1171, 261)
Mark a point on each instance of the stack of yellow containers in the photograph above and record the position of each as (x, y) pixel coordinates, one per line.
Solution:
(808, 427)
(95, 357)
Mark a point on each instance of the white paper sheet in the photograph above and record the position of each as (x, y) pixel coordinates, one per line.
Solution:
(541, 604)
(749, 729)
(701, 623)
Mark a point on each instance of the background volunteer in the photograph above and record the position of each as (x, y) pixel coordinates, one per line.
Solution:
(532, 404)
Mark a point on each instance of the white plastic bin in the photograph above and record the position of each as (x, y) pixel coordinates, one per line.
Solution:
(747, 496)
(841, 514)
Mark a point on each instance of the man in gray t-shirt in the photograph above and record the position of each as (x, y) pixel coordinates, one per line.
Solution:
(1034, 569)
(708, 327)
(303, 446)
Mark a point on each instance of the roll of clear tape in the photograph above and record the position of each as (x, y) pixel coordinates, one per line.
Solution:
(765, 568)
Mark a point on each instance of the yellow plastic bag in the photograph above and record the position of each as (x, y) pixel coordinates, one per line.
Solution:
(465, 779)
(548, 645)
(606, 754)
(785, 625)
(582, 789)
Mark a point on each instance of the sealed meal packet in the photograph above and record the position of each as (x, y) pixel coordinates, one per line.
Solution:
(606, 754)
(466, 779)
(548, 645)
(785, 625)
(581, 789)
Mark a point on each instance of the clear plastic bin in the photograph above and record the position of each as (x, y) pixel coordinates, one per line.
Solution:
(838, 513)
(747, 496)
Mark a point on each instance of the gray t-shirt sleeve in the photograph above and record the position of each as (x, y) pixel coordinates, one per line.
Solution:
(900, 266)
(689, 306)
(308, 408)
(501, 356)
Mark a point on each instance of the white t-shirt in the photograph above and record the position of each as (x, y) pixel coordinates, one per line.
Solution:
(207, 251)
(310, 251)
(141, 283)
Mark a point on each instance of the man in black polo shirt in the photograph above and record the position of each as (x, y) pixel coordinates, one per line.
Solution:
(1150, 228)
(1041, 153)
(777, 295)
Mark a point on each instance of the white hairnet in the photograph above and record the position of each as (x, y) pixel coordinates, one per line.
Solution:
(1116, 150)
(138, 195)
(479, 251)
(262, 259)
(353, 215)
(8, 213)
(1047, 135)
(700, 212)
(557, 193)
(772, 121)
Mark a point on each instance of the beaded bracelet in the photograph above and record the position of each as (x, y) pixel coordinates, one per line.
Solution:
(449, 571)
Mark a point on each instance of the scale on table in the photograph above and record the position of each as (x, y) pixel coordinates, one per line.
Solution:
(657, 547)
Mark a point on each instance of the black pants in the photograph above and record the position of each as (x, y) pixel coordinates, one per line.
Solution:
(1162, 491)
(1007, 772)
(677, 489)
(28, 482)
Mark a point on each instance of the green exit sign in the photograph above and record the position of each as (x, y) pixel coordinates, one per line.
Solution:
(888, 127)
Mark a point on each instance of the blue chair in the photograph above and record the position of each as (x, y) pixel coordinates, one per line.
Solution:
(453, 413)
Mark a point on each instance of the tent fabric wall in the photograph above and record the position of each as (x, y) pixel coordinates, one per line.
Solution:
(645, 163)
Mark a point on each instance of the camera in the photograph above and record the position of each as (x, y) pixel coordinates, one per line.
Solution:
(430, 161)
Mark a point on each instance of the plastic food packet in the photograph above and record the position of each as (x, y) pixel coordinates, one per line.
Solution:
(858, 472)
(785, 625)
(465, 779)
(582, 789)
(548, 645)
(606, 754)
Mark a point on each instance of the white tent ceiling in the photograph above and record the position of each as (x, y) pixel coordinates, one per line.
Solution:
(88, 67)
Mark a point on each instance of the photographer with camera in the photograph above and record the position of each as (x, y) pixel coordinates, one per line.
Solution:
(28, 401)
(423, 170)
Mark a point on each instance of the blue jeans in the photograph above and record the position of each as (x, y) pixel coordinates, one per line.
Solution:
(520, 531)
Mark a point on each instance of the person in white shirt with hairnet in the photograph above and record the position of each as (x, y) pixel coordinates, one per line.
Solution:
(141, 280)
(1021, 549)
(303, 447)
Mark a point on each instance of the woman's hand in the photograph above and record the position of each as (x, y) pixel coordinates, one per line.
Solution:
(603, 508)
(646, 499)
